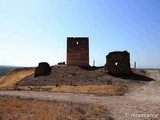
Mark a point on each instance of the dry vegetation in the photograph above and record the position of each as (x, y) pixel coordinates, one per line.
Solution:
(10, 79)
(94, 89)
(69, 79)
(63, 79)
(21, 109)
(142, 96)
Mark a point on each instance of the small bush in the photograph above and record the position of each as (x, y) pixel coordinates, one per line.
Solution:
(70, 82)
(18, 97)
(16, 88)
(121, 93)
(109, 82)
(56, 83)
(17, 84)
(109, 118)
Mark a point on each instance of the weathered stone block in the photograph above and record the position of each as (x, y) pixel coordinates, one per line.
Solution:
(77, 51)
(43, 69)
(118, 63)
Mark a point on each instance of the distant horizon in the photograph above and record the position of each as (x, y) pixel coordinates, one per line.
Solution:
(35, 31)
(149, 68)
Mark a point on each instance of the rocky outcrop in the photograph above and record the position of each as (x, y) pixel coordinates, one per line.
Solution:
(43, 69)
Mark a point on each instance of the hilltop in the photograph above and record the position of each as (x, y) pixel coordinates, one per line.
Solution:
(76, 79)
(115, 96)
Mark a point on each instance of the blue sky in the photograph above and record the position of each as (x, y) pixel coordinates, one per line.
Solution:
(32, 31)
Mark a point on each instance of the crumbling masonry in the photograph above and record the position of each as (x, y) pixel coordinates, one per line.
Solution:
(118, 63)
(43, 69)
(78, 51)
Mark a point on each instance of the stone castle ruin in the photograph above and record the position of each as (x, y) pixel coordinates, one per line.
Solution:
(78, 51)
(43, 69)
(118, 63)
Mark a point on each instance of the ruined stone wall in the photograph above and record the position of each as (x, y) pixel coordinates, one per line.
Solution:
(43, 69)
(118, 63)
(78, 51)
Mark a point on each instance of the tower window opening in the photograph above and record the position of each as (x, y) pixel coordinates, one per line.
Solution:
(77, 43)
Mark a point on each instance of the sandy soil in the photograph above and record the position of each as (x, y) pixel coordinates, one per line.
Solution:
(16, 108)
(11, 78)
(118, 106)
(94, 89)
(143, 96)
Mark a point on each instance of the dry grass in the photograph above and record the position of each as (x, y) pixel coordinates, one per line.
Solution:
(105, 89)
(14, 76)
(10, 80)
(21, 109)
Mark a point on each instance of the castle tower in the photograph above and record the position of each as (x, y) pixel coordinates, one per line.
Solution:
(78, 51)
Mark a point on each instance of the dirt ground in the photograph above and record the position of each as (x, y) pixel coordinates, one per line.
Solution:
(118, 106)
(139, 101)
(11, 78)
(16, 108)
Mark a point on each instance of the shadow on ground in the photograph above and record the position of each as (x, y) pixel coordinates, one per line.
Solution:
(90, 68)
(136, 77)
